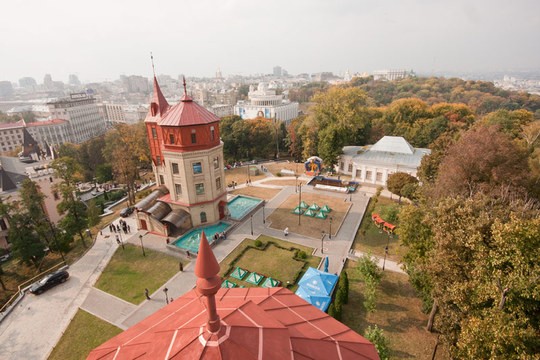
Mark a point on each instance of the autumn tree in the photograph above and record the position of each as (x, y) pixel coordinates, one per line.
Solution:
(482, 160)
(509, 122)
(293, 140)
(342, 118)
(398, 181)
(74, 222)
(126, 149)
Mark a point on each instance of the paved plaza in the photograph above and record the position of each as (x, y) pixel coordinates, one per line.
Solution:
(38, 322)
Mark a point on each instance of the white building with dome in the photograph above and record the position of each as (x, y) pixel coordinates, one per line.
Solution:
(373, 164)
(264, 102)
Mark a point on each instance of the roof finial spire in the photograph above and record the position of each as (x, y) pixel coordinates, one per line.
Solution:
(152, 59)
(208, 281)
(184, 82)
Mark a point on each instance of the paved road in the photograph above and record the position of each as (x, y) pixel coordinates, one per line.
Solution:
(35, 326)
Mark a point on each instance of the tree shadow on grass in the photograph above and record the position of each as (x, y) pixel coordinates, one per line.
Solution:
(390, 307)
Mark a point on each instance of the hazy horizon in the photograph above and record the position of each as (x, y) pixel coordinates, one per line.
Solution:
(102, 40)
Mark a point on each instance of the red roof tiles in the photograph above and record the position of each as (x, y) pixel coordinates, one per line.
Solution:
(187, 112)
(256, 323)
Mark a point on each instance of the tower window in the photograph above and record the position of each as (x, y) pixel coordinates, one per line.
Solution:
(216, 162)
(161, 180)
(218, 183)
(197, 168)
(178, 189)
(154, 133)
(203, 217)
(171, 138)
(193, 137)
(175, 169)
(158, 160)
(199, 189)
(212, 133)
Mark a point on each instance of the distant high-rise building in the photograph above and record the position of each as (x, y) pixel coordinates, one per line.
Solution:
(6, 89)
(48, 81)
(277, 71)
(82, 113)
(218, 74)
(74, 80)
(135, 84)
(27, 82)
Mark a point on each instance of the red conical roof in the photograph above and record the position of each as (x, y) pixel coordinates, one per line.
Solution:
(187, 112)
(159, 105)
(207, 265)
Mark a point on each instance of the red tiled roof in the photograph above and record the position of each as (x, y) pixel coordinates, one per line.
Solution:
(256, 323)
(47, 122)
(187, 112)
(18, 124)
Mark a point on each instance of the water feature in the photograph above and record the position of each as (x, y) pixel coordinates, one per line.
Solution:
(190, 240)
(241, 205)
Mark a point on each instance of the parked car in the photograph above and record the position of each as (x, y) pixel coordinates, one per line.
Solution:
(126, 212)
(49, 281)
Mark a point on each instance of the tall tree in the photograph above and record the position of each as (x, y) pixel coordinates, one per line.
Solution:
(126, 149)
(343, 118)
(482, 160)
(74, 221)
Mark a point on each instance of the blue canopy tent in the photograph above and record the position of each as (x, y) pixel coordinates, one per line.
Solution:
(321, 302)
(315, 285)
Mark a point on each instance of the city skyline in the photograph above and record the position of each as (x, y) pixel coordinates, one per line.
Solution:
(242, 37)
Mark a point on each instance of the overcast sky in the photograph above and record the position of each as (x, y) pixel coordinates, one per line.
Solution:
(99, 40)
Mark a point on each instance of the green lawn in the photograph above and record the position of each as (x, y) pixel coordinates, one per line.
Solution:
(370, 238)
(84, 333)
(397, 313)
(273, 262)
(129, 273)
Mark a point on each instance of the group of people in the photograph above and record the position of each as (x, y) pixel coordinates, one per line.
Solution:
(122, 226)
(220, 236)
(248, 182)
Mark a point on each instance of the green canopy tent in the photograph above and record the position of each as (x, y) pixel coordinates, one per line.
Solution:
(321, 215)
(254, 278)
(326, 208)
(228, 284)
(304, 205)
(239, 273)
(309, 213)
(269, 283)
(314, 206)
(298, 210)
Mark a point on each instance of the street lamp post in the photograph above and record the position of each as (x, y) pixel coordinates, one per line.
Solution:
(142, 245)
(296, 183)
(251, 222)
(385, 253)
(165, 290)
(330, 232)
(299, 202)
(264, 219)
(322, 240)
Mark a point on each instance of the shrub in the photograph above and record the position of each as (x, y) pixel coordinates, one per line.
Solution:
(258, 243)
(332, 310)
(343, 285)
(337, 307)
(278, 174)
(376, 336)
(302, 254)
(340, 295)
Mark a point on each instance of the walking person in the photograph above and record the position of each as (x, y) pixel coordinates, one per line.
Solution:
(286, 231)
(146, 293)
(181, 266)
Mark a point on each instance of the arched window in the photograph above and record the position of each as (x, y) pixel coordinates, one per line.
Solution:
(203, 217)
(212, 133)
(193, 136)
(153, 109)
(171, 139)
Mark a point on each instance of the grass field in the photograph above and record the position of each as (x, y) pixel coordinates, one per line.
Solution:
(272, 262)
(84, 333)
(397, 313)
(283, 217)
(256, 191)
(370, 238)
(240, 175)
(129, 273)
